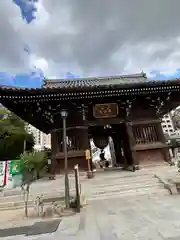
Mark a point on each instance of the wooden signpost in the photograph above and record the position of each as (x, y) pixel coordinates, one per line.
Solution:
(88, 158)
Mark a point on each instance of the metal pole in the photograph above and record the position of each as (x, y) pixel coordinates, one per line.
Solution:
(24, 146)
(65, 164)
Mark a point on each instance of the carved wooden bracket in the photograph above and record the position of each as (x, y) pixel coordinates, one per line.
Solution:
(128, 106)
(159, 105)
(84, 110)
(160, 102)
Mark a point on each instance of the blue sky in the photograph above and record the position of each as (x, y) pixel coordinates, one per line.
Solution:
(35, 76)
(32, 79)
(158, 75)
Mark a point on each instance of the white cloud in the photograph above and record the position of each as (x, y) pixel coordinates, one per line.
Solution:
(40, 63)
(92, 37)
(42, 16)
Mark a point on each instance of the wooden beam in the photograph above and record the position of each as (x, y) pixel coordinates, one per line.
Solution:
(104, 122)
(148, 146)
(69, 128)
(146, 121)
(77, 153)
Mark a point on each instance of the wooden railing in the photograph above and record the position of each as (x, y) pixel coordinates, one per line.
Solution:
(145, 134)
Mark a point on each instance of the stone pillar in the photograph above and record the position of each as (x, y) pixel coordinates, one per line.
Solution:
(132, 143)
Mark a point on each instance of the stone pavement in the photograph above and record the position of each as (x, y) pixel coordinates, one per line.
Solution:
(34, 229)
(136, 218)
(120, 212)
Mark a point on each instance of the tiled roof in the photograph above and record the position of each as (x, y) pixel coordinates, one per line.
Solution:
(8, 87)
(83, 84)
(96, 81)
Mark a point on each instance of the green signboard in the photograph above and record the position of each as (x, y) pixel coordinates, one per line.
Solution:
(15, 167)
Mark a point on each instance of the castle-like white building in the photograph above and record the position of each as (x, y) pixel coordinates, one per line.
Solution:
(167, 124)
(42, 140)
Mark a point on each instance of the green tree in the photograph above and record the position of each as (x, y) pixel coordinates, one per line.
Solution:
(34, 163)
(13, 136)
(176, 118)
(27, 178)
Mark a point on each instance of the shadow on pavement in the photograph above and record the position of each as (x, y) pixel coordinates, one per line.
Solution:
(38, 228)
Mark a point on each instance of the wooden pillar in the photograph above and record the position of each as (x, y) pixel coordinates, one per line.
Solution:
(160, 133)
(117, 149)
(85, 144)
(132, 143)
(162, 139)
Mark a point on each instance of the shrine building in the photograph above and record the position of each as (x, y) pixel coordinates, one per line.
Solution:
(127, 108)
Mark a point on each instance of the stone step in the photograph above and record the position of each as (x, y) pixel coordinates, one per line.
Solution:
(32, 197)
(36, 189)
(37, 193)
(98, 179)
(8, 205)
(93, 183)
(96, 195)
(143, 170)
(134, 183)
(120, 188)
(113, 186)
(100, 187)
(128, 185)
(15, 205)
(130, 180)
(148, 191)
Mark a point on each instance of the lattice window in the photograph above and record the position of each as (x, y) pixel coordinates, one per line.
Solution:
(75, 141)
(145, 134)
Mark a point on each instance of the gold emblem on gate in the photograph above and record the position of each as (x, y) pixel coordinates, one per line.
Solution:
(106, 110)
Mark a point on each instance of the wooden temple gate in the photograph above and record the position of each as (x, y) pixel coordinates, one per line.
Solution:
(131, 106)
